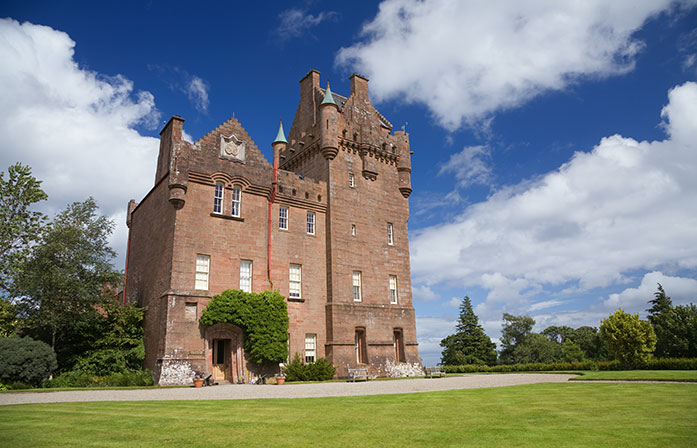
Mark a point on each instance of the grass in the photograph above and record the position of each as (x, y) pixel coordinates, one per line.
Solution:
(640, 375)
(554, 415)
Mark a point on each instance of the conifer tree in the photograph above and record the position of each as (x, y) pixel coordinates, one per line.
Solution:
(469, 344)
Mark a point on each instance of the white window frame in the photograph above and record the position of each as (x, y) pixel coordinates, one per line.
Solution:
(353, 230)
(295, 281)
(218, 196)
(246, 267)
(357, 286)
(236, 201)
(310, 223)
(351, 180)
(283, 218)
(310, 347)
(394, 291)
(203, 267)
(390, 234)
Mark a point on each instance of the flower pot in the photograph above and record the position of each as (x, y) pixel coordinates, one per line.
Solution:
(280, 380)
(198, 382)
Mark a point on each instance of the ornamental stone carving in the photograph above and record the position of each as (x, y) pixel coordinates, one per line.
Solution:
(232, 148)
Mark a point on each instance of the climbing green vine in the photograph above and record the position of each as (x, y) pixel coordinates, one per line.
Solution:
(263, 318)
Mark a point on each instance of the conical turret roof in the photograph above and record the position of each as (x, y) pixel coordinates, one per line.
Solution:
(281, 136)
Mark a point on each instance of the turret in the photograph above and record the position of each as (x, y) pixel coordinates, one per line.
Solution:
(279, 145)
(403, 163)
(328, 125)
(173, 161)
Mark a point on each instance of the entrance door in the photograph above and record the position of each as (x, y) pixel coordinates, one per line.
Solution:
(221, 359)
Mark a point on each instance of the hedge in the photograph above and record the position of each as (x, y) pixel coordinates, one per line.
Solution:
(652, 364)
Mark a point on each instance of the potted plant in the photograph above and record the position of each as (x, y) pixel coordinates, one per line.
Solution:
(281, 377)
(198, 380)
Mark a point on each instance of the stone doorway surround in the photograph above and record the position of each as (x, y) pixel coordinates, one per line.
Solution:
(234, 356)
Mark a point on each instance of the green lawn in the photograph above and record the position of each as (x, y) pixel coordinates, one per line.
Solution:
(646, 375)
(554, 415)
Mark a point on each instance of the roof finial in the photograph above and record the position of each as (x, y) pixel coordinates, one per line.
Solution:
(280, 137)
(328, 97)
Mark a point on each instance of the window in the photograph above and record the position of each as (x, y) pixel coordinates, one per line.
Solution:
(393, 289)
(399, 345)
(357, 297)
(353, 230)
(236, 200)
(295, 286)
(390, 234)
(361, 355)
(190, 311)
(246, 275)
(310, 347)
(283, 218)
(310, 223)
(218, 198)
(352, 180)
(202, 267)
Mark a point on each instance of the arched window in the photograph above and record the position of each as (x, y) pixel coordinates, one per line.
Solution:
(218, 198)
(236, 200)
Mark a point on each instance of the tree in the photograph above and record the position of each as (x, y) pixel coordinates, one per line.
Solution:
(25, 360)
(8, 318)
(631, 341)
(558, 334)
(67, 273)
(675, 327)
(120, 347)
(469, 344)
(588, 339)
(571, 352)
(516, 331)
(19, 227)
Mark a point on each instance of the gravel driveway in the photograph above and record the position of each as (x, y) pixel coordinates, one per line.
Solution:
(246, 391)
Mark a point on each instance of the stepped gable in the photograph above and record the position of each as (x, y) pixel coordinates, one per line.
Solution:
(207, 157)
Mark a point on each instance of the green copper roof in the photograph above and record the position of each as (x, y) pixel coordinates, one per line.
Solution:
(328, 97)
(281, 137)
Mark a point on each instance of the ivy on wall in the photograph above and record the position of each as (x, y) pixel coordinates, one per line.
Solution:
(263, 318)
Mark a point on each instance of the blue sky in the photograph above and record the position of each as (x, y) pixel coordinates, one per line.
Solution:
(555, 143)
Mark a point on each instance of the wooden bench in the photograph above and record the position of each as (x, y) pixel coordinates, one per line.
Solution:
(359, 374)
(432, 371)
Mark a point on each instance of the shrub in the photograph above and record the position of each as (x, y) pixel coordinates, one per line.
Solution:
(262, 316)
(320, 370)
(81, 379)
(25, 360)
(531, 367)
(102, 362)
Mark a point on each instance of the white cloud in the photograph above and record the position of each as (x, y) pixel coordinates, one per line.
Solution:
(453, 302)
(197, 92)
(295, 22)
(466, 59)
(635, 300)
(430, 331)
(469, 166)
(74, 127)
(423, 293)
(544, 305)
(624, 207)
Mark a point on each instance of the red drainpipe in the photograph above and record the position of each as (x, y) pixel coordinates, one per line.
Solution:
(271, 199)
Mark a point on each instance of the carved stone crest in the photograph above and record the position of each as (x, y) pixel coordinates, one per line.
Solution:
(232, 148)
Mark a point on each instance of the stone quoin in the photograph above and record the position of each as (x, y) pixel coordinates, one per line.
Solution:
(325, 224)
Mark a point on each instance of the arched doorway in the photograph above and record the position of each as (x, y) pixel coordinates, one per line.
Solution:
(224, 353)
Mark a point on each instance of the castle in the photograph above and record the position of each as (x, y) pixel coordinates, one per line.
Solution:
(325, 224)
